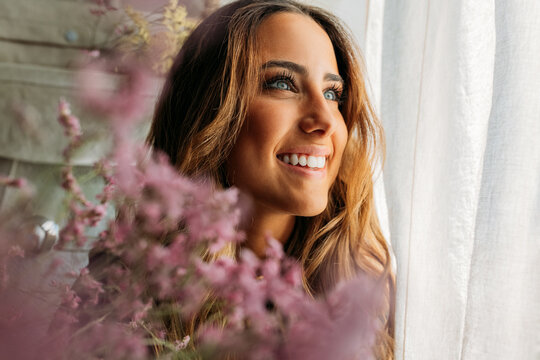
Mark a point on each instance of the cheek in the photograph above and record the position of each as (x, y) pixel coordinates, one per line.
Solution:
(341, 137)
(266, 124)
(256, 143)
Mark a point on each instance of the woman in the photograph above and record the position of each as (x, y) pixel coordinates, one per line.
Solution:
(268, 96)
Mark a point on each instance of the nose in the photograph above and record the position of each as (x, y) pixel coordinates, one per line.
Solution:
(319, 118)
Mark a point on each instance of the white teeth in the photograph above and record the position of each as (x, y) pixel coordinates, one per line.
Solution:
(321, 160)
(312, 162)
(286, 159)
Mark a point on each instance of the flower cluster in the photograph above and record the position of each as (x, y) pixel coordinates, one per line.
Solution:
(173, 257)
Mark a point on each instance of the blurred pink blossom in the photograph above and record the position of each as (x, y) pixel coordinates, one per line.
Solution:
(149, 256)
(13, 182)
(114, 88)
(71, 124)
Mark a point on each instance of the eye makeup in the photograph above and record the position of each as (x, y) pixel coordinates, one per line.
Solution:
(338, 91)
(285, 81)
(285, 77)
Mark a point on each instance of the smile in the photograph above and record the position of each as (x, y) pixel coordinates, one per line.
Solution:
(304, 160)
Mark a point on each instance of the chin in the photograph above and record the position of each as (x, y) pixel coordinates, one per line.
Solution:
(312, 208)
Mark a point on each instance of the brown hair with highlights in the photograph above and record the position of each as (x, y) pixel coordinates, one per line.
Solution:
(204, 104)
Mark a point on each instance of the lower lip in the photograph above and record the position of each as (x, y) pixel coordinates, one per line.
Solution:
(304, 170)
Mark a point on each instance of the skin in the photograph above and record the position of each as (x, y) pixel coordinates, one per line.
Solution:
(287, 115)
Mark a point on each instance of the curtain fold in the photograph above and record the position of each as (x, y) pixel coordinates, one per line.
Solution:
(503, 308)
(460, 104)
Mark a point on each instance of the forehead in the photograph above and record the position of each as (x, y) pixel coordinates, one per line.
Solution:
(297, 38)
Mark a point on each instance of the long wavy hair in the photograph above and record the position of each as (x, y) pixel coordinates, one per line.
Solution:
(203, 106)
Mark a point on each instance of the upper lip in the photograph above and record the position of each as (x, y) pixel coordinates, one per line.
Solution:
(314, 150)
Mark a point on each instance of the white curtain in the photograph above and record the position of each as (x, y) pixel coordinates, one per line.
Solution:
(458, 88)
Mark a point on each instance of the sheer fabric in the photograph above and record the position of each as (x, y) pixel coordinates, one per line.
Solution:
(457, 88)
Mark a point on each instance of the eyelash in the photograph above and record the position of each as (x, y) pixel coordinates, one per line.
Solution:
(338, 91)
(284, 76)
(289, 78)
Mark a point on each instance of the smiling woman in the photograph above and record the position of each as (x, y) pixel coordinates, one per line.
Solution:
(294, 116)
(268, 96)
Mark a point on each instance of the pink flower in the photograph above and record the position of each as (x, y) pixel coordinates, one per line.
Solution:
(344, 327)
(95, 213)
(124, 100)
(156, 257)
(71, 124)
(70, 299)
(13, 182)
(181, 344)
(89, 288)
(141, 313)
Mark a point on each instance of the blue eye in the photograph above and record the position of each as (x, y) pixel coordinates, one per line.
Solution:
(334, 93)
(331, 95)
(279, 84)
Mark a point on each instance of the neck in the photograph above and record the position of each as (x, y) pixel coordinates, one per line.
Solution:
(265, 222)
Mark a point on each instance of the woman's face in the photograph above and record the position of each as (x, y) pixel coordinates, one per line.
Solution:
(289, 151)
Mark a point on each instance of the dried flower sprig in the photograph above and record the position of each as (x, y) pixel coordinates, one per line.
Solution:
(157, 37)
(139, 34)
(83, 212)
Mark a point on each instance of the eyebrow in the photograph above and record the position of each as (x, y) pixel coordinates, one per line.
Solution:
(297, 68)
